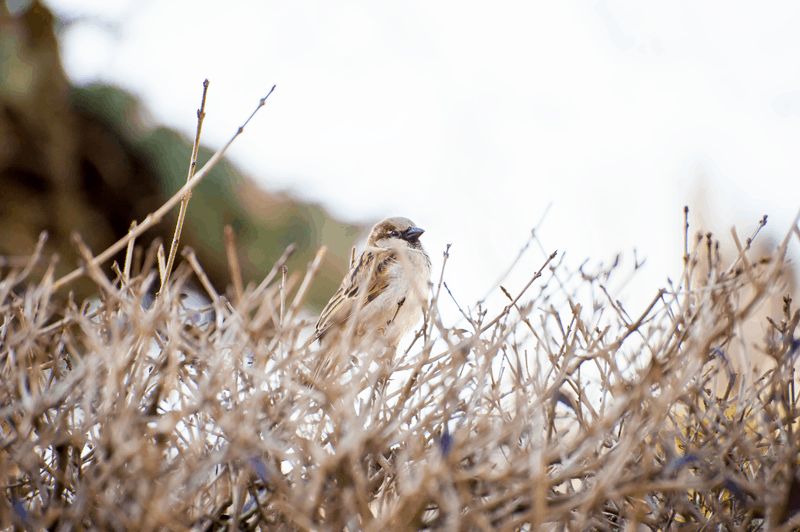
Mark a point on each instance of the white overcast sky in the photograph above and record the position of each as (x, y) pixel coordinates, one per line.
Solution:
(471, 118)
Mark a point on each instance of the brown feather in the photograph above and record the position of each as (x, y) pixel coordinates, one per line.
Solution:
(344, 302)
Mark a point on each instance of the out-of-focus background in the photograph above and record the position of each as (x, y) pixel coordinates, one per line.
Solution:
(595, 122)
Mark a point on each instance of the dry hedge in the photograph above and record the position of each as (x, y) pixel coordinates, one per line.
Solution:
(560, 413)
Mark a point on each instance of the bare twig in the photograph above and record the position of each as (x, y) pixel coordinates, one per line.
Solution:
(173, 250)
(313, 269)
(129, 254)
(284, 271)
(509, 307)
(233, 263)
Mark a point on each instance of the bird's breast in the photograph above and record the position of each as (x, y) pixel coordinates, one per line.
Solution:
(409, 283)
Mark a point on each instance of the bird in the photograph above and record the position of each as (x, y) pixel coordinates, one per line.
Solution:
(386, 288)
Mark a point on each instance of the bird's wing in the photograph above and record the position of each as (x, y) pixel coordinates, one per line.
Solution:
(370, 272)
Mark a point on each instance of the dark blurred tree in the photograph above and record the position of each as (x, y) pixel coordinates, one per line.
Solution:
(81, 159)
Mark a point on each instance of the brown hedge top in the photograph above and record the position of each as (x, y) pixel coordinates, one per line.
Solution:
(560, 412)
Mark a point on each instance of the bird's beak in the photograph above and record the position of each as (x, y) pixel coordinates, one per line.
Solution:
(413, 233)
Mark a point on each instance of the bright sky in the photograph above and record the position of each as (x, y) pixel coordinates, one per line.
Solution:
(471, 118)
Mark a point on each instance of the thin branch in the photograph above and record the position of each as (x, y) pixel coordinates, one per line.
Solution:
(509, 307)
(233, 263)
(201, 115)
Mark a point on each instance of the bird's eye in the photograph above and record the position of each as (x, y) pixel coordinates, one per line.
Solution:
(394, 234)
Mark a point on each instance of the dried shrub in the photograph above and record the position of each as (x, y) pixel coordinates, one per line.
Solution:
(561, 412)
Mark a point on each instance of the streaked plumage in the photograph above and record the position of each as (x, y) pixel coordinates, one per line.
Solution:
(388, 281)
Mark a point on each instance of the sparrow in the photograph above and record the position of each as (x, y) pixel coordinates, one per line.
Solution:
(386, 287)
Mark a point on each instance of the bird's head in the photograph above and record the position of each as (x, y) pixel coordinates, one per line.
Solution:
(395, 232)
